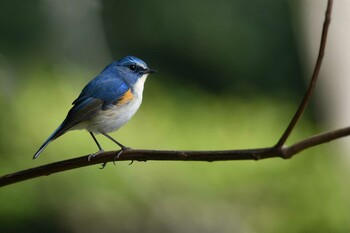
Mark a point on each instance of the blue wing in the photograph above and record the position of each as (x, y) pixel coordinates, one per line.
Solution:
(99, 94)
(106, 88)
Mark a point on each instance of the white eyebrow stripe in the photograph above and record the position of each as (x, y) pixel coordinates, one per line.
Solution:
(144, 67)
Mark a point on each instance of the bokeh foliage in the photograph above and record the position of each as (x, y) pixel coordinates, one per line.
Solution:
(229, 77)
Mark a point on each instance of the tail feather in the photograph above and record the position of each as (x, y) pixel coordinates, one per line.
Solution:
(57, 133)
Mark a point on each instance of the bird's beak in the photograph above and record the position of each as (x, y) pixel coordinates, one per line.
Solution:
(150, 71)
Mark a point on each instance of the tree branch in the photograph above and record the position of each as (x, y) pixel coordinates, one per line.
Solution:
(173, 155)
(313, 80)
(279, 150)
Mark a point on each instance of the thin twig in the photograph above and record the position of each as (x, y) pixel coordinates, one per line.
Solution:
(314, 78)
(167, 155)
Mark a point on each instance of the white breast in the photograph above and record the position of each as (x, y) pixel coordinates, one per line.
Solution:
(112, 119)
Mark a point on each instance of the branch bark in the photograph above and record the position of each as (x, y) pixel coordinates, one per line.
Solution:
(174, 155)
(304, 103)
(278, 150)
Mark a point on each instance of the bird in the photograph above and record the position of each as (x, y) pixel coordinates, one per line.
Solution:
(106, 103)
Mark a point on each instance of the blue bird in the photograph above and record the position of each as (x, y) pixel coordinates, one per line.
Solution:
(107, 102)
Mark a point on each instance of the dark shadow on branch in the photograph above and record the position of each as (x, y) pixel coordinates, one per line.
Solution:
(279, 150)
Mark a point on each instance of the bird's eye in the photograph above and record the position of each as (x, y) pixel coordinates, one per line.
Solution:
(132, 67)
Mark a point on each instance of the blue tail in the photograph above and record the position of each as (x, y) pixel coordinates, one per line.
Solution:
(58, 132)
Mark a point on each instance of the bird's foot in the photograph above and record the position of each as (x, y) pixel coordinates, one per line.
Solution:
(95, 154)
(122, 150)
(103, 165)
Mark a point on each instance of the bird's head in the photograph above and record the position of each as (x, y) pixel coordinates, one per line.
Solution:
(132, 68)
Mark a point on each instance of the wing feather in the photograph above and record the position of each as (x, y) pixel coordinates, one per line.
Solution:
(98, 95)
(79, 113)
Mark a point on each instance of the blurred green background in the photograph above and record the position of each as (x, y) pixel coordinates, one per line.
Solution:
(230, 77)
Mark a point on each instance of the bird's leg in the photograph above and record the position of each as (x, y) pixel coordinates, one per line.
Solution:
(100, 150)
(115, 141)
(123, 148)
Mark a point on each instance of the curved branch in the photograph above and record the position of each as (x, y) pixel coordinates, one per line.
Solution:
(173, 155)
(249, 154)
(315, 140)
(313, 80)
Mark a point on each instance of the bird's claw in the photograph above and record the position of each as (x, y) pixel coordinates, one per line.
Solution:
(94, 155)
(120, 153)
(103, 165)
(115, 158)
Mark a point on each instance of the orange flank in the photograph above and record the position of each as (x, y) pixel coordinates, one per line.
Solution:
(126, 98)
